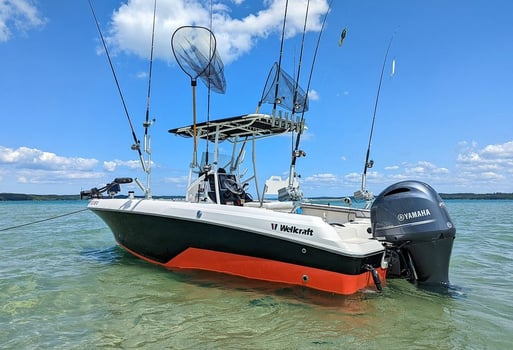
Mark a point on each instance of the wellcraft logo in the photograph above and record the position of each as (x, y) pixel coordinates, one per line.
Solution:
(413, 214)
(292, 229)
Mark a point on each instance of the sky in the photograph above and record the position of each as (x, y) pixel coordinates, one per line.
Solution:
(445, 115)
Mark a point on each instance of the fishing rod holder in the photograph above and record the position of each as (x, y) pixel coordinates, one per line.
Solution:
(141, 186)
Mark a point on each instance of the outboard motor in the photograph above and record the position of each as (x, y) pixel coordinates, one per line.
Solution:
(412, 220)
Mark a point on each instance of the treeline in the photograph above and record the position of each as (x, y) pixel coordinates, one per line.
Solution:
(497, 195)
(64, 197)
(36, 197)
(53, 197)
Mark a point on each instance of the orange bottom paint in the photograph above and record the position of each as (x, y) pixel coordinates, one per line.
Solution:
(270, 270)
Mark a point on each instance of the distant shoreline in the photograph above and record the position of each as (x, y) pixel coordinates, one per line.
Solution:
(501, 196)
(53, 197)
(56, 197)
(445, 196)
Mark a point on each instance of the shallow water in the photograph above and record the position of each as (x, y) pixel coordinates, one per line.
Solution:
(65, 284)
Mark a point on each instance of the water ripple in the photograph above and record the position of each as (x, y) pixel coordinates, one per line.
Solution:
(67, 285)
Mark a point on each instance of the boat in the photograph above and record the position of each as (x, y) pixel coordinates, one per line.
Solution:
(230, 222)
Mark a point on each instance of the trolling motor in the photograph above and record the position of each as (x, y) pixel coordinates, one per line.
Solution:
(112, 188)
(412, 221)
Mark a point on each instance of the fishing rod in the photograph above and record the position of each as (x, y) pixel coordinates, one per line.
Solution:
(363, 193)
(137, 144)
(296, 152)
(147, 123)
(280, 58)
(209, 90)
(296, 87)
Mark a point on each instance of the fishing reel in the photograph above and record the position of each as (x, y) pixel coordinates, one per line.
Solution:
(112, 188)
(298, 153)
(363, 195)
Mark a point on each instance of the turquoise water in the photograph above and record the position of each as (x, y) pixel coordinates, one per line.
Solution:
(64, 284)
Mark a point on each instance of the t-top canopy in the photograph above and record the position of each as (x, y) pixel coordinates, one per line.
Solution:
(248, 125)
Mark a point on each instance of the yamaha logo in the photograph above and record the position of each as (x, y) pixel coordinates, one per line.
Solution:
(413, 215)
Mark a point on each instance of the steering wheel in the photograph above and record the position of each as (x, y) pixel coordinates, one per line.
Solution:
(233, 186)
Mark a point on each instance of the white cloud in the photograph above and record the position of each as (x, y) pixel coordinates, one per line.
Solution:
(424, 168)
(27, 166)
(353, 178)
(131, 26)
(503, 151)
(325, 181)
(498, 157)
(40, 176)
(176, 180)
(476, 169)
(392, 167)
(323, 177)
(31, 158)
(181, 181)
(112, 165)
(421, 170)
(142, 75)
(489, 168)
(313, 95)
(20, 16)
(376, 180)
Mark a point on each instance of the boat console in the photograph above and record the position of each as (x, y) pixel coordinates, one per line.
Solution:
(231, 192)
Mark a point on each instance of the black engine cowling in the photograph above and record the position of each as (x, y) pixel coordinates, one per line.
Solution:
(412, 218)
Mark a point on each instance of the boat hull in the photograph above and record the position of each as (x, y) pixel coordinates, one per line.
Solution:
(187, 242)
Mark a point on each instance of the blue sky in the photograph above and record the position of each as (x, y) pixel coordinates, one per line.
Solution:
(445, 117)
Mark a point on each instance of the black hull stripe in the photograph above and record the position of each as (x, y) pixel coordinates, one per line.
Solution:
(161, 239)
